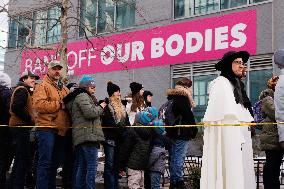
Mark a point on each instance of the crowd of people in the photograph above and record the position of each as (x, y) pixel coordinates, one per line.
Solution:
(46, 124)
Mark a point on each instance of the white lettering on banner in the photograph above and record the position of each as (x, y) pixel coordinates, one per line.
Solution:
(91, 56)
(221, 38)
(169, 45)
(82, 57)
(38, 66)
(107, 55)
(70, 66)
(157, 49)
(124, 58)
(29, 65)
(190, 47)
(160, 46)
(208, 40)
(137, 50)
(240, 37)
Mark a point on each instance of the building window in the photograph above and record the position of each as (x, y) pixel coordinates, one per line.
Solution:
(111, 15)
(258, 80)
(125, 14)
(12, 37)
(225, 4)
(200, 94)
(47, 28)
(256, 1)
(183, 8)
(53, 25)
(19, 29)
(40, 28)
(106, 16)
(24, 27)
(88, 17)
(206, 6)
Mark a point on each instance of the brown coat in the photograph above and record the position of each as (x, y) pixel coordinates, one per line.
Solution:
(14, 119)
(47, 100)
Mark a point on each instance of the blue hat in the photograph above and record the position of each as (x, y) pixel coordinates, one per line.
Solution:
(144, 118)
(87, 81)
(153, 111)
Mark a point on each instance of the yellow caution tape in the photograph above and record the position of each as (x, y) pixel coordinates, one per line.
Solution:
(200, 124)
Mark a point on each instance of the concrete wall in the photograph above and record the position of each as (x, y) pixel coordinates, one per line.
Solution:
(278, 24)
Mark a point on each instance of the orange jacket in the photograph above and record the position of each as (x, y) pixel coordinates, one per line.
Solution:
(47, 100)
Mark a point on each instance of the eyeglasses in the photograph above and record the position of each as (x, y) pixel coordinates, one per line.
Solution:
(240, 63)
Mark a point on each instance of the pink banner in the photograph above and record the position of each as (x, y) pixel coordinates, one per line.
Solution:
(188, 41)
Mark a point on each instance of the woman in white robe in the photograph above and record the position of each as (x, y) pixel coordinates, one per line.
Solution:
(227, 161)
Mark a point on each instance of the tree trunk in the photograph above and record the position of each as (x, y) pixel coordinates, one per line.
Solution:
(64, 38)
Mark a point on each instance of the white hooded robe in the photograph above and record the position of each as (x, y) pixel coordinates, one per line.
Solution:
(227, 161)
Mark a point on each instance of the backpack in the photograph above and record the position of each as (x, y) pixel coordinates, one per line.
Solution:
(257, 112)
(167, 115)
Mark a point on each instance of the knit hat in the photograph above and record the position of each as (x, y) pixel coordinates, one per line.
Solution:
(5, 80)
(279, 58)
(153, 111)
(147, 93)
(87, 81)
(135, 87)
(112, 88)
(146, 116)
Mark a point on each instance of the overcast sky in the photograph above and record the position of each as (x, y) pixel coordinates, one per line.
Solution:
(3, 26)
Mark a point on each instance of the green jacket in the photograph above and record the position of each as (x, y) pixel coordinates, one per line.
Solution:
(269, 137)
(86, 117)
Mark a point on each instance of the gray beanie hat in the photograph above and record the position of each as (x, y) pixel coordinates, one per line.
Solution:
(279, 58)
(5, 80)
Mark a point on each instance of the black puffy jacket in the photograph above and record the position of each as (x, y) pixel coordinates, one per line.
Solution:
(181, 107)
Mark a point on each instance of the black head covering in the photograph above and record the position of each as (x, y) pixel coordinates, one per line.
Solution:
(145, 94)
(225, 66)
(135, 87)
(112, 88)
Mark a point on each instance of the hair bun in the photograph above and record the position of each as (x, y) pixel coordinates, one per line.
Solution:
(109, 83)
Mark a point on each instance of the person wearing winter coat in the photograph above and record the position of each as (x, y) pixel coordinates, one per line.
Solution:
(279, 95)
(158, 155)
(182, 109)
(270, 141)
(53, 121)
(227, 161)
(136, 148)
(116, 118)
(86, 117)
(21, 111)
(6, 152)
(136, 103)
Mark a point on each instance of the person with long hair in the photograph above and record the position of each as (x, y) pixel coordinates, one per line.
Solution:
(115, 117)
(137, 102)
(227, 161)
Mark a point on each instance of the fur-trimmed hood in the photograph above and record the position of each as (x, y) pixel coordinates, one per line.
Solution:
(176, 92)
(181, 91)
